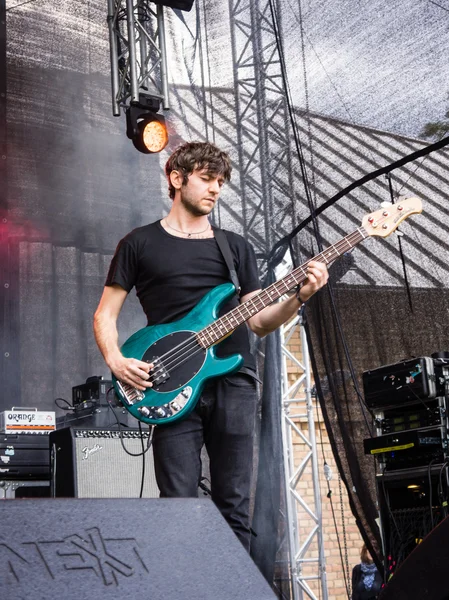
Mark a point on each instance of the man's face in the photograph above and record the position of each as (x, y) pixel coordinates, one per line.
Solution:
(200, 193)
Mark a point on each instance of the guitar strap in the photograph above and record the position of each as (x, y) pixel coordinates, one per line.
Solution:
(225, 249)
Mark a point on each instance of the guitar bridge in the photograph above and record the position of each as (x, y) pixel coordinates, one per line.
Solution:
(129, 393)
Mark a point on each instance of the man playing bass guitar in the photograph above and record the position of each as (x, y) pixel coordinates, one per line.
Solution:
(173, 263)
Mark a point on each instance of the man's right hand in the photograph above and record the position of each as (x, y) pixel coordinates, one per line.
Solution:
(132, 371)
(129, 370)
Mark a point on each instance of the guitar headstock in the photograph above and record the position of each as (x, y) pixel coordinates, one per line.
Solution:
(384, 221)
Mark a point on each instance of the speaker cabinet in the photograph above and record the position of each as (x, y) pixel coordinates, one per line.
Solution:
(100, 463)
(411, 503)
(423, 575)
(133, 549)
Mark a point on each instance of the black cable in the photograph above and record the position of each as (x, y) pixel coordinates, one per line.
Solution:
(69, 407)
(298, 145)
(143, 460)
(429, 475)
(329, 491)
(387, 504)
(150, 435)
(327, 472)
(329, 495)
(313, 211)
(315, 395)
(407, 385)
(307, 103)
(439, 5)
(204, 487)
(335, 448)
(278, 250)
(19, 5)
(401, 252)
(345, 541)
(339, 326)
(442, 498)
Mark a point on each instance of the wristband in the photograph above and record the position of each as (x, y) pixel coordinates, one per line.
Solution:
(297, 292)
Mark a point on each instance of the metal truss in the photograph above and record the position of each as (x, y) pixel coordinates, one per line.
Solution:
(266, 171)
(137, 51)
(307, 562)
(262, 121)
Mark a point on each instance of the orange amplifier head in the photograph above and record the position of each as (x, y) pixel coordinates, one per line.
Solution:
(27, 420)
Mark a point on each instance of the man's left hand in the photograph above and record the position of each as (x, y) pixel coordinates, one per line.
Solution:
(317, 276)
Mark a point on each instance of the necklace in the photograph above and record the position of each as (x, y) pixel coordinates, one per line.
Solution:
(185, 232)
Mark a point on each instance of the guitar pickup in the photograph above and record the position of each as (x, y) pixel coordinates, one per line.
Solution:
(159, 372)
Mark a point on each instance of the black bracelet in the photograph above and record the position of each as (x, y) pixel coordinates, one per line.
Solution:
(297, 292)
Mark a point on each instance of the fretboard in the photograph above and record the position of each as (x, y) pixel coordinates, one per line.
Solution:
(226, 324)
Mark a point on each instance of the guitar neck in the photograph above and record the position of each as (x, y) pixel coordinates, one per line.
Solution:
(226, 324)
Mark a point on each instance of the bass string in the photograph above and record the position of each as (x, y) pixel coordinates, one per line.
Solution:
(190, 355)
(187, 351)
(178, 351)
(181, 351)
(289, 281)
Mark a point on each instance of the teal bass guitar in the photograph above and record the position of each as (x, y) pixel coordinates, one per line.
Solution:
(183, 352)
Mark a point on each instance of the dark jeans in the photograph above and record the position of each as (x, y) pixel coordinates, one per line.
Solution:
(223, 420)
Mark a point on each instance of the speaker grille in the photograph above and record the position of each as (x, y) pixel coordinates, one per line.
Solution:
(103, 469)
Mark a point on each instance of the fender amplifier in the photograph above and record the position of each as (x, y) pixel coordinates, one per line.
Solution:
(100, 463)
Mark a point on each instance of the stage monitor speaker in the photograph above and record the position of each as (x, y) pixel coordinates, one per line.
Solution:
(92, 463)
(424, 573)
(111, 549)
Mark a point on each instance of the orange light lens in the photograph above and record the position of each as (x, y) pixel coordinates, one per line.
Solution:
(154, 136)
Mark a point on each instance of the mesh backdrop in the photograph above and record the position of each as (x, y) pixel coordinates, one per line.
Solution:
(363, 80)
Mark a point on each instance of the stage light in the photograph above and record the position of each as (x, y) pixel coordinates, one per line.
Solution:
(145, 126)
(152, 134)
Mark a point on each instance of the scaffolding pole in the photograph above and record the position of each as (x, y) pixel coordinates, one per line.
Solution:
(137, 52)
(305, 539)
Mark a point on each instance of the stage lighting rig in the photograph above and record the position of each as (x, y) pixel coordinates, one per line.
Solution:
(139, 79)
(144, 126)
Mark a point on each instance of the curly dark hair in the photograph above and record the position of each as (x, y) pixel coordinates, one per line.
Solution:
(197, 155)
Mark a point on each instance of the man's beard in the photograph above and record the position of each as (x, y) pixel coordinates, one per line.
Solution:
(194, 210)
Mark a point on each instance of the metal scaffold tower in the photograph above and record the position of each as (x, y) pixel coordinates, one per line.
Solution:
(261, 121)
(305, 530)
(264, 152)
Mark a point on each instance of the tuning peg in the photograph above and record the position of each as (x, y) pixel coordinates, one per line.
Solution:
(399, 233)
(385, 204)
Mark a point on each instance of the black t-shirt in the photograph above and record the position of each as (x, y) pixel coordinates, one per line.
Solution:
(172, 274)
